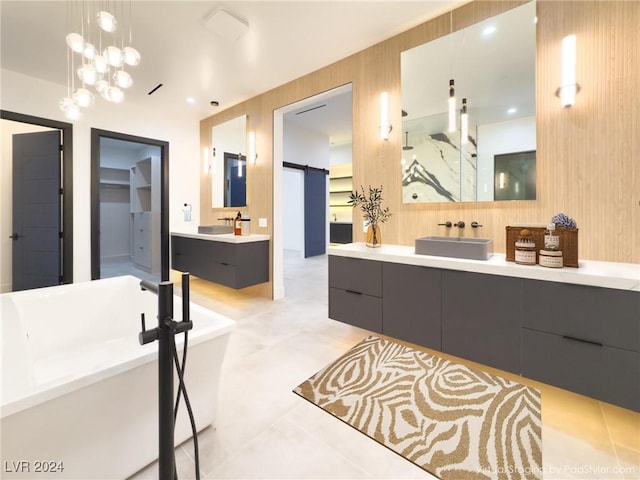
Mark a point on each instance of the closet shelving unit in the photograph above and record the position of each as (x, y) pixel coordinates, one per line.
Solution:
(145, 214)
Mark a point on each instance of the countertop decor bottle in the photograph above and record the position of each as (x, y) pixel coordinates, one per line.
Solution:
(237, 225)
(246, 225)
(551, 255)
(525, 251)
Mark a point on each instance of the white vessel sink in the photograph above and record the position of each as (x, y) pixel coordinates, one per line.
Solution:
(455, 247)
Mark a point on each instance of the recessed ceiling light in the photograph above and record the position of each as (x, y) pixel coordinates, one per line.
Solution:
(490, 30)
(512, 110)
(191, 100)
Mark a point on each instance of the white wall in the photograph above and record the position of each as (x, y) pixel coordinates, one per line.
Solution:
(340, 154)
(505, 137)
(305, 147)
(293, 210)
(31, 96)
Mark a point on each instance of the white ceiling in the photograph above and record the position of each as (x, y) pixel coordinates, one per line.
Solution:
(285, 40)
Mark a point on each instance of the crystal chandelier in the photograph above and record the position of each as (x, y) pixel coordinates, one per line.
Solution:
(97, 54)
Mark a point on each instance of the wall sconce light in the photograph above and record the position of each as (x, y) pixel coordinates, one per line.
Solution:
(252, 148)
(206, 166)
(568, 89)
(464, 123)
(385, 126)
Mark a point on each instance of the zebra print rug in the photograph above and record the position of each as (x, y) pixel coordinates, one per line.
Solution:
(453, 421)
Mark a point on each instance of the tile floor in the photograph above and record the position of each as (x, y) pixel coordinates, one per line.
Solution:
(266, 431)
(114, 267)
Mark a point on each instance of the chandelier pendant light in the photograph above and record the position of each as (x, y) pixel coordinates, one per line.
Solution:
(452, 106)
(464, 123)
(104, 57)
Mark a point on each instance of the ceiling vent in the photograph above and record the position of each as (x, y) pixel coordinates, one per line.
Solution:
(226, 24)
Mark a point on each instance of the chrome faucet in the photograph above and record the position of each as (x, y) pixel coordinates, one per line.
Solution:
(460, 224)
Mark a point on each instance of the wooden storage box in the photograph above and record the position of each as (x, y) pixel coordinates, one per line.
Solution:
(568, 243)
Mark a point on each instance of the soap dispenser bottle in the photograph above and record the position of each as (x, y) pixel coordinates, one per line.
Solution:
(551, 255)
(237, 225)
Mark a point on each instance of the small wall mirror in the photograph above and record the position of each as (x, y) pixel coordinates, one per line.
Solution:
(229, 165)
(493, 67)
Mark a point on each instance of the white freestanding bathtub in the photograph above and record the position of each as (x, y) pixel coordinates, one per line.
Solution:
(80, 394)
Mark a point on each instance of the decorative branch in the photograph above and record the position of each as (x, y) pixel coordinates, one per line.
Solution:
(371, 206)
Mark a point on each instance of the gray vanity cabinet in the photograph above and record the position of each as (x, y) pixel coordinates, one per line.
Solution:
(411, 304)
(582, 338)
(585, 339)
(481, 318)
(355, 292)
(235, 265)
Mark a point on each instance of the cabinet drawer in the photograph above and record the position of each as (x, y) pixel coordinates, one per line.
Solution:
(190, 255)
(356, 309)
(223, 273)
(411, 307)
(141, 236)
(481, 318)
(142, 256)
(222, 252)
(602, 315)
(600, 371)
(142, 220)
(356, 275)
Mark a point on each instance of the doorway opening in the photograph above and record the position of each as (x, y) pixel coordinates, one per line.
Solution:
(306, 133)
(37, 202)
(129, 214)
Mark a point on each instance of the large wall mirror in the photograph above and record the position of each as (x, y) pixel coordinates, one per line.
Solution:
(492, 64)
(229, 166)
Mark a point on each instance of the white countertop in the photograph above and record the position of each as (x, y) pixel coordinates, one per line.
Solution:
(622, 276)
(224, 237)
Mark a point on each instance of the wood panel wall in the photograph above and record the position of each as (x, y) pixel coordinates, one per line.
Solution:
(587, 160)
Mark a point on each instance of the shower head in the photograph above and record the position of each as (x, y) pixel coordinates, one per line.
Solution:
(406, 145)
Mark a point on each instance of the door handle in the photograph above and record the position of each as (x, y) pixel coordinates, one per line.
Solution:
(15, 236)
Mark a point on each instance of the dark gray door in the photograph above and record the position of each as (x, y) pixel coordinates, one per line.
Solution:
(315, 213)
(36, 210)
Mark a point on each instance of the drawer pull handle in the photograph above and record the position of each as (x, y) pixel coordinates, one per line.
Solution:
(225, 264)
(354, 292)
(568, 337)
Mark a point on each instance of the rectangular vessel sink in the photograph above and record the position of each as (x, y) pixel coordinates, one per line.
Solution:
(455, 247)
(215, 229)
